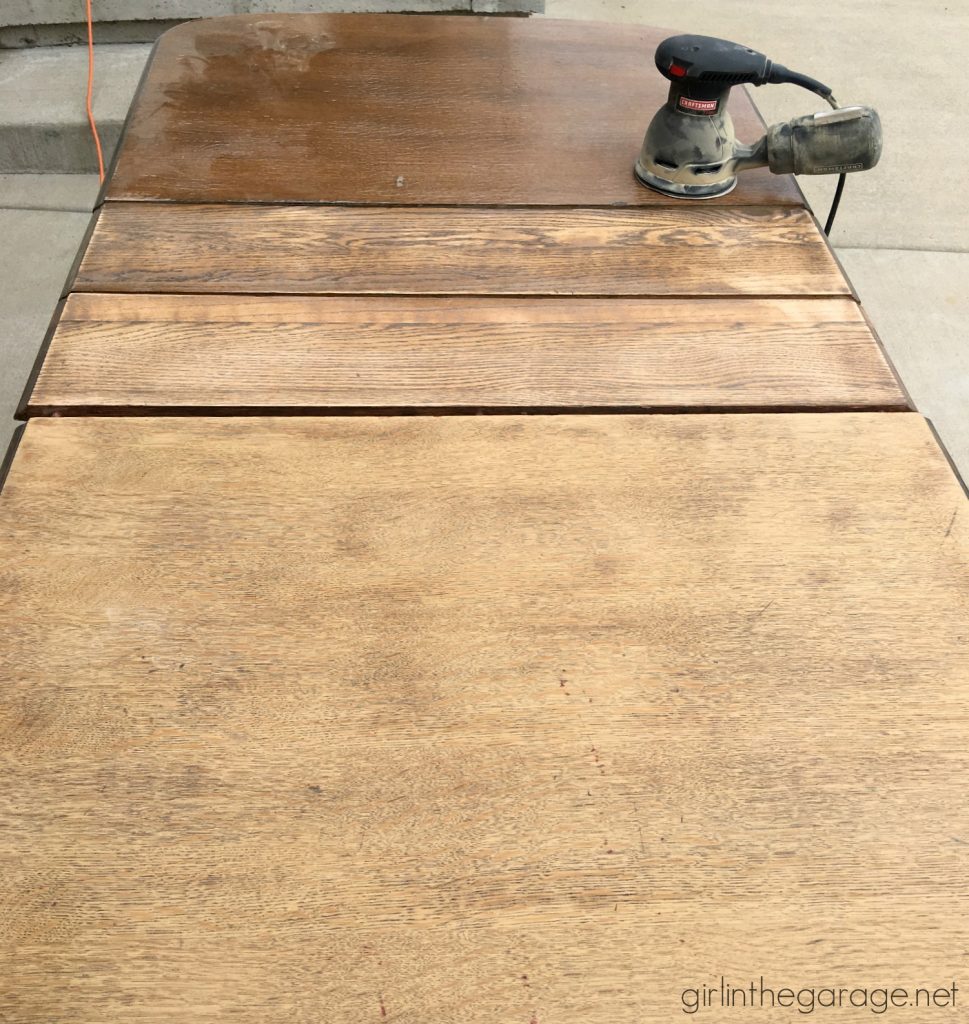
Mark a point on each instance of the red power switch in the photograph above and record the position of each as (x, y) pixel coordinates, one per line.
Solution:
(677, 70)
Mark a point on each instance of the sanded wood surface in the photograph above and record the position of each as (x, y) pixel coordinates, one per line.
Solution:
(477, 719)
(144, 352)
(692, 249)
(396, 109)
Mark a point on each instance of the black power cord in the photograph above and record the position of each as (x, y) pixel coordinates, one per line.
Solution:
(834, 204)
(829, 223)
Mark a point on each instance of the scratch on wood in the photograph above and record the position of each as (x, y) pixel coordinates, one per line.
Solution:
(753, 619)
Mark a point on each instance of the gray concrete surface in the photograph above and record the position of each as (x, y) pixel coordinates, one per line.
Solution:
(77, 192)
(919, 304)
(54, 12)
(37, 252)
(16, 37)
(43, 124)
(58, 22)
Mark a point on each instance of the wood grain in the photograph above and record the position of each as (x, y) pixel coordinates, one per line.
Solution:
(154, 352)
(686, 250)
(397, 109)
(477, 719)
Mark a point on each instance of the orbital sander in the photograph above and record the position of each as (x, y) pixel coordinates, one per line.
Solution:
(690, 150)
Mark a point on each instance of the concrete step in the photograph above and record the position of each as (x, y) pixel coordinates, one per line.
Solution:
(37, 252)
(58, 22)
(63, 193)
(43, 124)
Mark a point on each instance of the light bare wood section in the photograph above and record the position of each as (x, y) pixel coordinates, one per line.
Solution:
(477, 719)
(682, 250)
(149, 352)
(393, 109)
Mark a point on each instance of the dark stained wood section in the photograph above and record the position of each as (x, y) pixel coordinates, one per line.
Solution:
(152, 352)
(684, 250)
(396, 109)
(478, 719)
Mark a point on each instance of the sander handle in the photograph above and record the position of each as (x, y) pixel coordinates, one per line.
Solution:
(710, 63)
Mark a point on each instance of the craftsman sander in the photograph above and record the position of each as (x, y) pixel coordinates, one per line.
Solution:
(690, 150)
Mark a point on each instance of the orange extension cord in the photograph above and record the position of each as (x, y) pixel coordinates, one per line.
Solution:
(90, 90)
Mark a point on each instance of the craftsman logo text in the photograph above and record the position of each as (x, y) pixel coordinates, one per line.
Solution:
(698, 106)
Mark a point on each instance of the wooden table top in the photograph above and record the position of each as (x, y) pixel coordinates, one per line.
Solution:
(463, 719)
(481, 115)
(149, 353)
(398, 109)
(454, 718)
(228, 248)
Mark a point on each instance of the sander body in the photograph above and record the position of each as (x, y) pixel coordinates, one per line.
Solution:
(690, 149)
